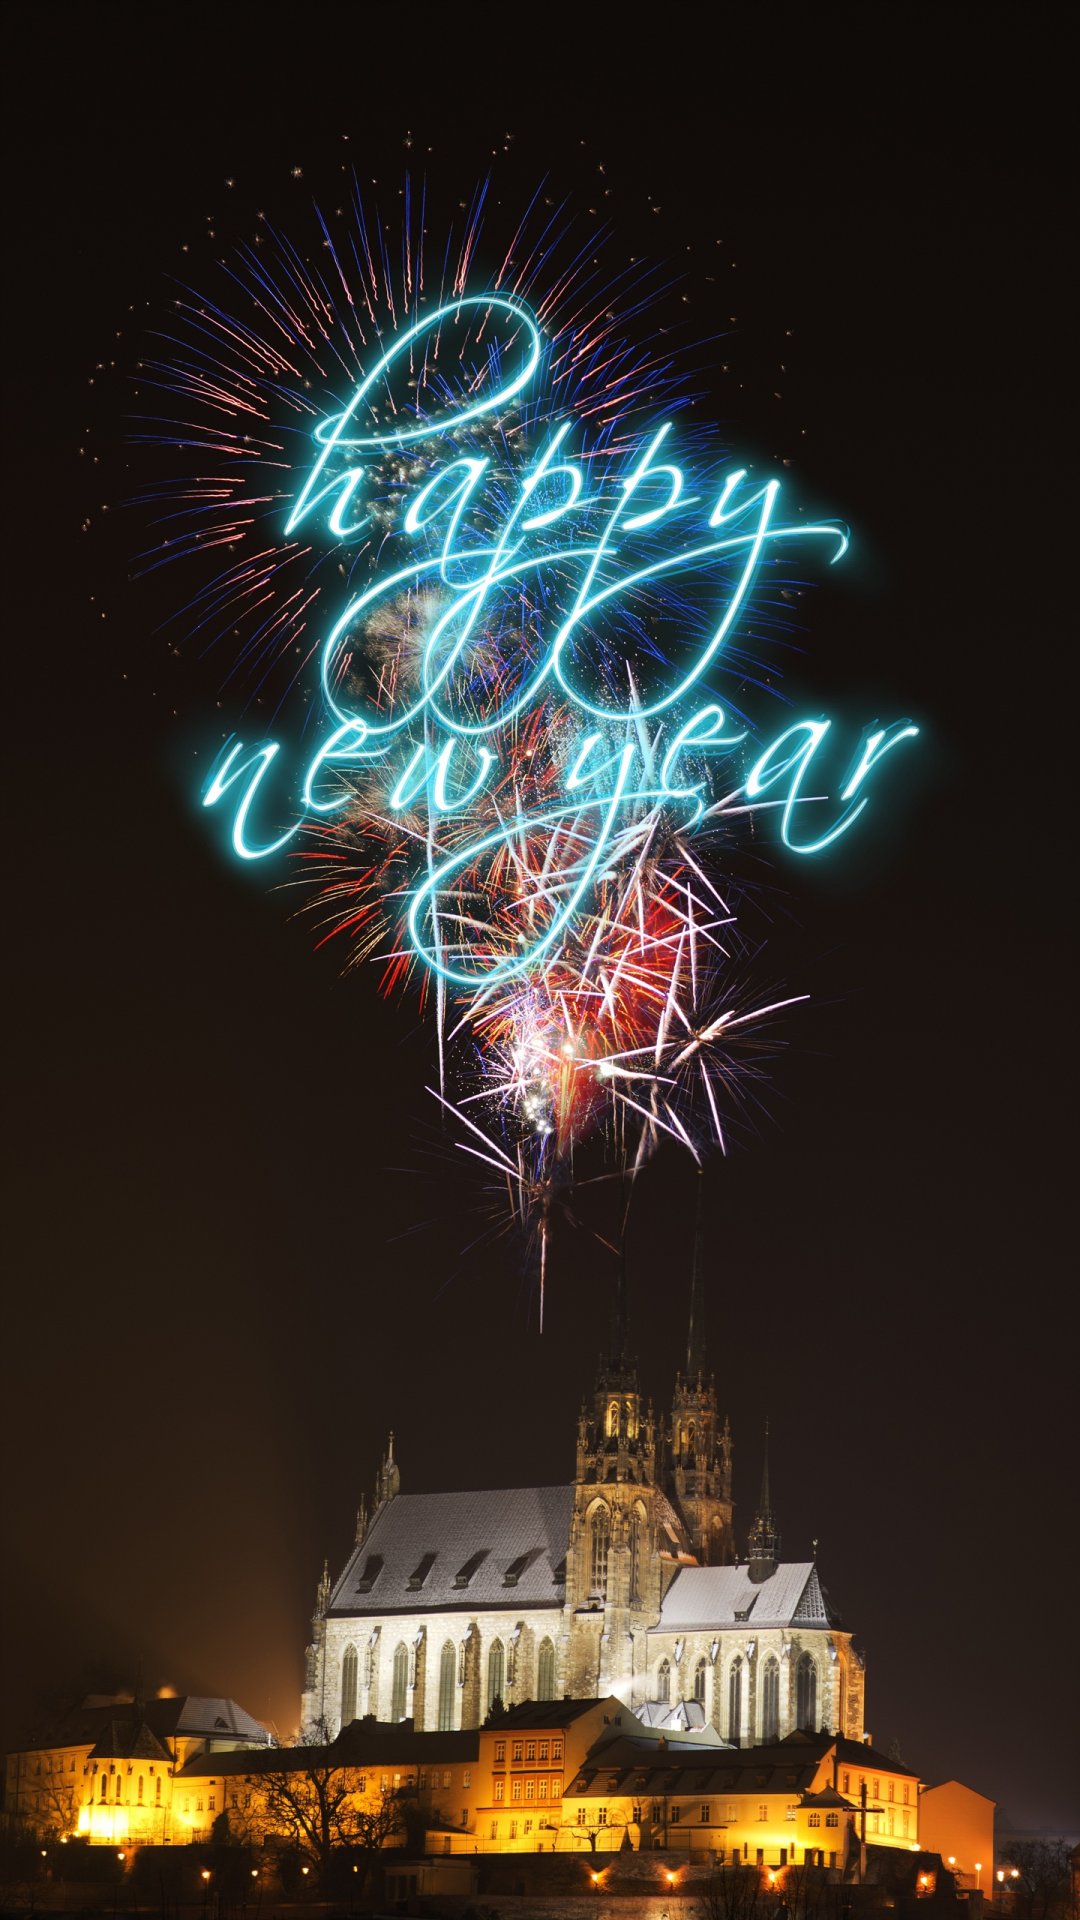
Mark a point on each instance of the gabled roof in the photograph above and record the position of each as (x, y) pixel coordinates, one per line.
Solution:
(700, 1598)
(426, 1552)
(128, 1739)
(634, 1766)
(192, 1716)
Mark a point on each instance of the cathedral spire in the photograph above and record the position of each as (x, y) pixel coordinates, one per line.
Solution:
(695, 1343)
(764, 1542)
(618, 1356)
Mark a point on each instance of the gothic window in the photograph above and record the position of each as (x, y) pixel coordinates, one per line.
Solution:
(447, 1687)
(699, 1680)
(400, 1683)
(104, 1785)
(157, 1791)
(545, 1671)
(806, 1693)
(735, 1702)
(601, 1541)
(636, 1528)
(631, 1429)
(613, 1418)
(770, 1699)
(496, 1671)
(663, 1680)
(348, 1687)
(140, 1789)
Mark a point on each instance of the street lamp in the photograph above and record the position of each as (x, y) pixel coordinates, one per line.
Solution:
(978, 1876)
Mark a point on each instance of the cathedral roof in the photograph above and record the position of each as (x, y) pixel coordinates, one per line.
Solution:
(706, 1597)
(502, 1548)
(189, 1715)
(127, 1738)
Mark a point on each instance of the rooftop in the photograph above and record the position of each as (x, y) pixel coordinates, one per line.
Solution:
(425, 1552)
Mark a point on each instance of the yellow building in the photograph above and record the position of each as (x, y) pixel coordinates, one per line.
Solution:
(809, 1799)
(106, 1771)
(958, 1823)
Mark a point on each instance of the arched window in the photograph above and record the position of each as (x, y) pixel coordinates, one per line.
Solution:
(613, 1418)
(348, 1687)
(770, 1699)
(806, 1693)
(399, 1688)
(118, 1786)
(636, 1529)
(104, 1785)
(699, 1680)
(545, 1671)
(496, 1671)
(157, 1790)
(734, 1700)
(447, 1687)
(601, 1541)
(631, 1426)
(140, 1789)
(663, 1680)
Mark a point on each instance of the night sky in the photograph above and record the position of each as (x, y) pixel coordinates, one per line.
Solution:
(239, 1250)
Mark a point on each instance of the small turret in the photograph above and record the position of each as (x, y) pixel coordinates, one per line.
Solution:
(322, 1594)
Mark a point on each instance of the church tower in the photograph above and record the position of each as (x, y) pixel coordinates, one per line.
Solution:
(620, 1527)
(698, 1477)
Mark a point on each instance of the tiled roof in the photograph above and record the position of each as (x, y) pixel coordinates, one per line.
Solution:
(190, 1715)
(549, 1713)
(128, 1739)
(358, 1745)
(634, 1766)
(425, 1551)
(705, 1597)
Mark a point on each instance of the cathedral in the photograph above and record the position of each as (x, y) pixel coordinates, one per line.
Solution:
(625, 1581)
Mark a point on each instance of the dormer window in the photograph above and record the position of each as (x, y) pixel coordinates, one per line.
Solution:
(465, 1573)
(373, 1566)
(517, 1567)
(420, 1572)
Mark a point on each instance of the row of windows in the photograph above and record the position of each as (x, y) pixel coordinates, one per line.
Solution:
(533, 1787)
(873, 1787)
(527, 1750)
(451, 1675)
(141, 1788)
(806, 1711)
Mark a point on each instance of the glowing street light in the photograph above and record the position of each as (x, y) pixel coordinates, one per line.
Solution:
(978, 1876)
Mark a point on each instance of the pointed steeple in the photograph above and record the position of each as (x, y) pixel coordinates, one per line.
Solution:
(764, 1542)
(389, 1481)
(696, 1360)
(618, 1358)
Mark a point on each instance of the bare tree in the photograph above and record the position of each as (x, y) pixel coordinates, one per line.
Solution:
(1042, 1889)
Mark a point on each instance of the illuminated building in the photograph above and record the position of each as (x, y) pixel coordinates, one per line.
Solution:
(107, 1770)
(622, 1582)
(958, 1823)
(810, 1799)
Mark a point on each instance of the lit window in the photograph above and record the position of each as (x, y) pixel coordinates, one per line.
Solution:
(814, 1820)
(528, 1826)
(601, 1541)
(704, 1813)
(513, 1829)
(832, 1819)
(498, 1790)
(422, 1777)
(515, 1789)
(466, 1778)
(500, 1750)
(530, 1750)
(543, 1750)
(446, 1777)
(556, 1788)
(556, 1749)
(493, 1830)
(541, 1791)
(847, 1783)
(791, 1810)
(530, 1789)
(516, 1751)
